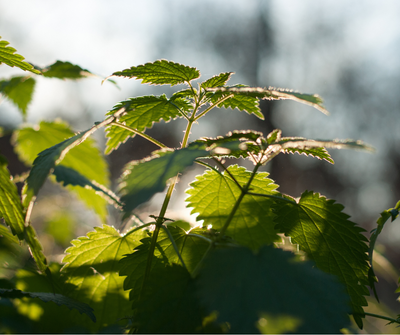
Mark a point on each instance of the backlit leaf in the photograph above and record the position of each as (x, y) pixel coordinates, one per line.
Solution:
(92, 268)
(334, 243)
(218, 80)
(273, 94)
(242, 102)
(140, 113)
(11, 209)
(46, 145)
(9, 57)
(243, 288)
(213, 195)
(142, 179)
(36, 249)
(161, 72)
(19, 90)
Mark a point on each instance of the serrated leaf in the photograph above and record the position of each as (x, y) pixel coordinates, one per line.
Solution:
(191, 248)
(168, 303)
(65, 70)
(213, 195)
(142, 179)
(242, 102)
(238, 143)
(19, 90)
(161, 72)
(58, 299)
(7, 235)
(46, 145)
(9, 57)
(187, 93)
(243, 287)
(273, 94)
(218, 80)
(92, 270)
(11, 209)
(36, 249)
(305, 144)
(141, 113)
(334, 243)
(68, 176)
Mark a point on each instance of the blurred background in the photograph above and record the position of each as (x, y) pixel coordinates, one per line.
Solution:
(347, 52)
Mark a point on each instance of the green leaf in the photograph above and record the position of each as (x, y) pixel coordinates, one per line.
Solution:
(240, 101)
(191, 249)
(298, 143)
(11, 209)
(161, 72)
(9, 57)
(168, 303)
(19, 90)
(142, 179)
(46, 145)
(334, 243)
(218, 80)
(272, 94)
(65, 70)
(213, 195)
(238, 143)
(5, 233)
(36, 249)
(68, 176)
(141, 113)
(92, 269)
(243, 288)
(58, 299)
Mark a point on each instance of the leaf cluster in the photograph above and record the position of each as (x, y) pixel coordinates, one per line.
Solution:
(227, 274)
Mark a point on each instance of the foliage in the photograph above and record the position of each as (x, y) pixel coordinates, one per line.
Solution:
(167, 276)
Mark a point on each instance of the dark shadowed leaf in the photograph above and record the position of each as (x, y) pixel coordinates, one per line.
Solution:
(248, 290)
(142, 179)
(65, 70)
(168, 303)
(334, 243)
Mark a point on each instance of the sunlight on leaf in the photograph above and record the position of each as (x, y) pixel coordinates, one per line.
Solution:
(161, 72)
(19, 90)
(9, 57)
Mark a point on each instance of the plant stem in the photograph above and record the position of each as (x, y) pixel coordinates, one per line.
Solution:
(160, 219)
(382, 317)
(212, 106)
(147, 137)
(138, 228)
(174, 245)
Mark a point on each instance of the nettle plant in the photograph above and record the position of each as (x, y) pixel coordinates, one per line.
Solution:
(232, 273)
